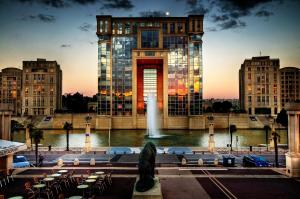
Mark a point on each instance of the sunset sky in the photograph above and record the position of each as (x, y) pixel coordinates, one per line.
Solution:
(64, 30)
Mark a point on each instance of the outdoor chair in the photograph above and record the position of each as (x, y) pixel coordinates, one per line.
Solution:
(47, 191)
(72, 177)
(88, 172)
(30, 193)
(2, 178)
(78, 181)
(107, 180)
(64, 180)
(36, 180)
(100, 185)
(45, 175)
(56, 186)
(10, 175)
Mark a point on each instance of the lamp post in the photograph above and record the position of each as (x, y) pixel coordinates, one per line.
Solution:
(109, 128)
(211, 141)
(229, 129)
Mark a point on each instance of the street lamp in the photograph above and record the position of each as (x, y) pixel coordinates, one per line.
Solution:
(109, 128)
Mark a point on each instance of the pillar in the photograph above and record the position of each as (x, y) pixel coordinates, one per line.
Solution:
(272, 126)
(27, 138)
(211, 140)
(5, 116)
(87, 144)
(293, 155)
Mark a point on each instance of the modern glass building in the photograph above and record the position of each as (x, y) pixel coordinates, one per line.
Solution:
(143, 55)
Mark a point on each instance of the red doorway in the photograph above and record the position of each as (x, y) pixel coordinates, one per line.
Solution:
(149, 64)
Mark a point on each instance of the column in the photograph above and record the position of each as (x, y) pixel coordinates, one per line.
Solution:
(211, 140)
(293, 155)
(87, 144)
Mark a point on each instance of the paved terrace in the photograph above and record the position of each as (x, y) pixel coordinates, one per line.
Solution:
(189, 182)
(177, 181)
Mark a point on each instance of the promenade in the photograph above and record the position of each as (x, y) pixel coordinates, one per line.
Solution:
(177, 181)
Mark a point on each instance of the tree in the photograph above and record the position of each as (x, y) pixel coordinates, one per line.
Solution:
(217, 106)
(232, 129)
(267, 128)
(276, 139)
(226, 106)
(282, 118)
(14, 125)
(68, 126)
(30, 126)
(37, 136)
(222, 107)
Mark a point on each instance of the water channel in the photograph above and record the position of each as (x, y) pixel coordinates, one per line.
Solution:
(137, 138)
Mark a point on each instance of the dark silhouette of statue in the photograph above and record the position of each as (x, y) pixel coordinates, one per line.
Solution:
(146, 168)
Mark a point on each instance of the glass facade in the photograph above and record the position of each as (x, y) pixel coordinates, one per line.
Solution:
(122, 74)
(180, 49)
(104, 78)
(195, 75)
(177, 74)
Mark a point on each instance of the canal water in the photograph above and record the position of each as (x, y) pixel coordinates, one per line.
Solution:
(137, 138)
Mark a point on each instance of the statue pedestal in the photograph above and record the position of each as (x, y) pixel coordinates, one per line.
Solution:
(153, 193)
(292, 164)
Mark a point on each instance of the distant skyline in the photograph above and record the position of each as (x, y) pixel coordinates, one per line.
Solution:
(64, 30)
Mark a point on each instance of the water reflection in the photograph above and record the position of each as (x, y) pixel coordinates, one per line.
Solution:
(137, 138)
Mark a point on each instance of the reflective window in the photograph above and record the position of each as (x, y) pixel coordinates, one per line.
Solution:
(172, 28)
(127, 28)
(165, 27)
(120, 28)
(106, 26)
(101, 26)
(180, 27)
(177, 75)
(195, 78)
(104, 77)
(150, 38)
(122, 75)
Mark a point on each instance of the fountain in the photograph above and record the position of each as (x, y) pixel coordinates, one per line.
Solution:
(152, 115)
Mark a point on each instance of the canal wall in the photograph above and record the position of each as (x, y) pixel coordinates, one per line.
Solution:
(242, 121)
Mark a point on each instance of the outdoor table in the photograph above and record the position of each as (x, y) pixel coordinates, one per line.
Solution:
(48, 179)
(99, 173)
(93, 177)
(16, 197)
(75, 197)
(55, 175)
(90, 180)
(63, 171)
(83, 187)
(39, 186)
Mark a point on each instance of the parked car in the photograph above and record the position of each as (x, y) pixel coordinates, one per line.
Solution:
(255, 161)
(20, 161)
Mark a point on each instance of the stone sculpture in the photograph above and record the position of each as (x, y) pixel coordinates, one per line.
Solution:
(146, 168)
